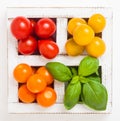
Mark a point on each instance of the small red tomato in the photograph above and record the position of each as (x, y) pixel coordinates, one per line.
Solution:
(21, 27)
(45, 28)
(48, 48)
(33, 23)
(27, 46)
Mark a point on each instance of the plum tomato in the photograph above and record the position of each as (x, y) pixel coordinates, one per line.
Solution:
(48, 48)
(22, 72)
(27, 46)
(47, 97)
(21, 27)
(45, 27)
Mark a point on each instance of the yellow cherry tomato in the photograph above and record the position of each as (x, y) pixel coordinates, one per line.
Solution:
(73, 23)
(97, 22)
(72, 48)
(96, 48)
(83, 34)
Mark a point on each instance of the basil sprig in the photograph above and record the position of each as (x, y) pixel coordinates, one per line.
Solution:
(83, 83)
(72, 93)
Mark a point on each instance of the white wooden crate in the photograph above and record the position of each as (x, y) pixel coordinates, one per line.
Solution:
(61, 15)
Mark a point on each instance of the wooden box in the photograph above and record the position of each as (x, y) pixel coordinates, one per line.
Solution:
(61, 16)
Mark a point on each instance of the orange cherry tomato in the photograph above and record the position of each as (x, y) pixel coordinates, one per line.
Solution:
(73, 23)
(22, 72)
(34, 70)
(25, 95)
(83, 35)
(97, 22)
(47, 97)
(36, 83)
(96, 48)
(43, 72)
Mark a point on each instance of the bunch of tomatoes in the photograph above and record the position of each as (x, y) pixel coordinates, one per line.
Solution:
(35, 85)
(35, 34)
(84, 36)
(38, 35)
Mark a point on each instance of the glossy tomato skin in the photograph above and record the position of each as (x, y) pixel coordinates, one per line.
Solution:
(33, 23)
(47, 97)
(36, 83)
(27, 46)
(22, 72)
(45, 28)
(96, 48)
(48, 48)
(42, 71)
(21, 27)
(25, 95)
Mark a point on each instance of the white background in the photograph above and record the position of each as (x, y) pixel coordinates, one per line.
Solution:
(115, 115)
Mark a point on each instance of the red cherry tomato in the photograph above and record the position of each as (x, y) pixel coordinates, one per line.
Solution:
(48, 48)
(45, 28)
(27, 46)
(21, 27)
(33, 23)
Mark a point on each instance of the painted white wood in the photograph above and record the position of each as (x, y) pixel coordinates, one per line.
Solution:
(61, 15)
(61, 34)
(38, 12)
(56, 109)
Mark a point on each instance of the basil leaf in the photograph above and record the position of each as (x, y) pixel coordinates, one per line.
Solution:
(93, 78)
(89, 78)
(59, 71)
(72, 93)
(88, 66)
(95, 95)
(74, 71)
(83, 79)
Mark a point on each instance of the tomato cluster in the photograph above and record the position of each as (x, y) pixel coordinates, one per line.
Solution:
(35, 84)
(84, 36)
(39, 35)
(35, 35)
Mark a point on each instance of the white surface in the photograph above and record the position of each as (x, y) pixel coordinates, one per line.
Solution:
(4, 116)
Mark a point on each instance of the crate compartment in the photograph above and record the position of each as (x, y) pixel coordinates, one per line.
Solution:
(33, 34)
(61, 16)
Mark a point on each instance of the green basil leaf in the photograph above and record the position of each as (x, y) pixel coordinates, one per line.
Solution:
(74, 71)
(93, 78)
(95, 95)
(89, 78)
(59, 71)
(72, 93)
(97, 73)
(83, 79)
(88, 66)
